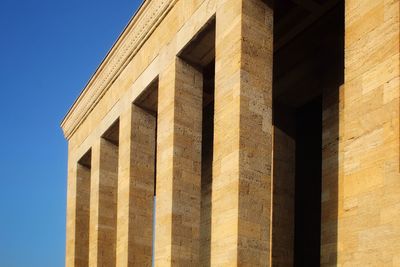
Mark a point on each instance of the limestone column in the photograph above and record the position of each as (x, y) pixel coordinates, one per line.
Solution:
(71, 215)
(82, 216)
(332, 171)
(283, 197)
(369, 191)
(77, 245)
(103, 203)
(135, 187)
(178, 165)
(241, 197)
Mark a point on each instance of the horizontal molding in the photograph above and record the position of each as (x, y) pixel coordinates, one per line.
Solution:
(138, 30)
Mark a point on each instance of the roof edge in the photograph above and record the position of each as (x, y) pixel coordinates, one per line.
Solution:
(136, 32)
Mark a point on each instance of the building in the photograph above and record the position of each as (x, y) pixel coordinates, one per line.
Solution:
(255, 134)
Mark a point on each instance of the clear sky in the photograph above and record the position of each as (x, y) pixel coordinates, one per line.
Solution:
(48, 51)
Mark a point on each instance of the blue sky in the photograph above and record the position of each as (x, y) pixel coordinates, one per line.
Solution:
(48, 51)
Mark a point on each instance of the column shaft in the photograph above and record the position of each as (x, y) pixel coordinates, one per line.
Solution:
(283, 197)
(241, 197)
(82, 216)
(71, 215)
(178, 165)
(103, 204)
(77, 253)
(332, 171)
(136, 188)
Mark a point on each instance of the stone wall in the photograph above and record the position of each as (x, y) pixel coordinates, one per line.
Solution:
(369, 187)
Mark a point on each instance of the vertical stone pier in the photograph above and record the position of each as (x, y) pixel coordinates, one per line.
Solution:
(241, 209)
(103, 203)
(178, 165)
(78, 214)
(71, 214)
(135, 187)
(82, 215)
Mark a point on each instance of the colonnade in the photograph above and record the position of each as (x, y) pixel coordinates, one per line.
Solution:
(145, 154)
(158, 152)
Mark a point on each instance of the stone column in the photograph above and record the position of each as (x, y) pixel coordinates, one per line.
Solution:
(283, 198)
(332, 171)
(369, 191)
(77, 246)
(178, 166)
(82, 216)
(241, 197)
(136, 187)
(103, 203)
(71, 215)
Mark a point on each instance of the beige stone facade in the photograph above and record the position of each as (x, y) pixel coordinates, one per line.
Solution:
(240, 133)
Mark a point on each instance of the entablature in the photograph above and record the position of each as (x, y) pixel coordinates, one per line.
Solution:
(135, 34)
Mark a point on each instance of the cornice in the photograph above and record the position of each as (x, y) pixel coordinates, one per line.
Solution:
(135, 34)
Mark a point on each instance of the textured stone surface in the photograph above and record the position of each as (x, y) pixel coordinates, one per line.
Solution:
(368, 217)
(241, 198)
(82, 215)
(77, 245)
(71, 214)
(103, 204)
(178, 165)
(283, 199)
(136, 188)
(332, 159)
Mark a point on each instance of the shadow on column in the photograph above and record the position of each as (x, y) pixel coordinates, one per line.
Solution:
(200, 53)
(308, 75)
